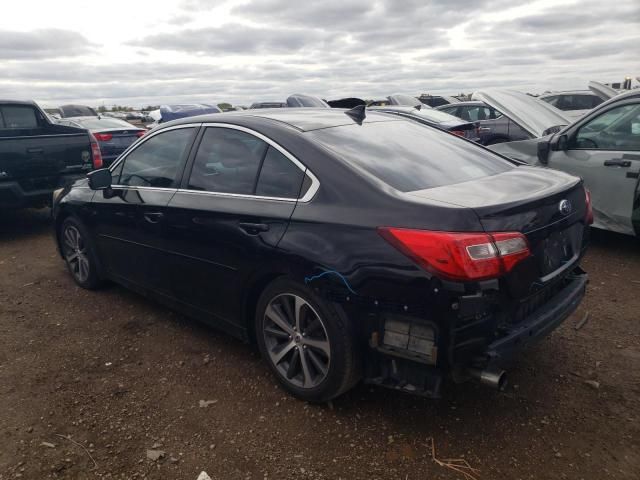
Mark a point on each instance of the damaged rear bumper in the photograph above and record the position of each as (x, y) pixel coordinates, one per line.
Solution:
(541, 323)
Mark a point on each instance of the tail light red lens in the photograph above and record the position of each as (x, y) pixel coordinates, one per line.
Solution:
(103, 137)
(140, 133)
(96, 154)
(589, 215)
(459, 133)
(460, 256)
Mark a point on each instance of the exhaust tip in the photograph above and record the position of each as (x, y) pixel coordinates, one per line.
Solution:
(496, 379)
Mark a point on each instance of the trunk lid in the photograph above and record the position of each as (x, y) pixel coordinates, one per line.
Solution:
(547, 206)
(536, 117)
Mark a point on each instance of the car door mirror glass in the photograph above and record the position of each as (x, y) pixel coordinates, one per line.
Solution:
(99, 179)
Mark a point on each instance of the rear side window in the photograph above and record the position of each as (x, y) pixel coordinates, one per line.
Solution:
(279, 176)
(155, 163)
(227, 161)
(408, 156)
(18, 117)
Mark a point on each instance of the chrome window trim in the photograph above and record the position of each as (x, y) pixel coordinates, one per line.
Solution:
(307, 197)
(139, 187)
(237, 195)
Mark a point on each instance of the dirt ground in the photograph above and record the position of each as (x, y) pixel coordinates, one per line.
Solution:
(104, 376)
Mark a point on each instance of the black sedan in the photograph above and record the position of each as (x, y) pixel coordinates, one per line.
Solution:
(113, 135)
(434, 118)
(346, 246)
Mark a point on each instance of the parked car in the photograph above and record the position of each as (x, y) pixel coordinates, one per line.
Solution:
(167, 113)
(113, 135)
(575, 103)
(493, 126)
(437, 100)
(76, 111)
(38, 156)
(300, 100)
(347, 244)
(603, 148)
(267, 105)
(433, 118)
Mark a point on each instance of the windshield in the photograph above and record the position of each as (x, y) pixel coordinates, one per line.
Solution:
(408, 156)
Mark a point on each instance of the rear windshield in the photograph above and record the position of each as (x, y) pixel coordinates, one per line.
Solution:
(409, 156)
(99, 123)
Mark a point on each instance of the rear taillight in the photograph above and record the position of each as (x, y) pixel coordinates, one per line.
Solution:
(96, 154)
(460, 256)
(103, 137)
(588, 218)
(459, 133)
(140, 133)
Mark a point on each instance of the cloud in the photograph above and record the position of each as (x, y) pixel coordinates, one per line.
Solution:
(47, 43)
(256, 50)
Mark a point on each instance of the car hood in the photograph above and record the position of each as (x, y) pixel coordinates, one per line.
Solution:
(605, 92)
(533, 115)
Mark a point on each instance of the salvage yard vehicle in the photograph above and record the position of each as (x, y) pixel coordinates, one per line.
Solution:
(113, 135)
(603, 148)
(67, 111)
(434, 118)
(38, 156)
(493, 126)
(347, 244)
(574, 103)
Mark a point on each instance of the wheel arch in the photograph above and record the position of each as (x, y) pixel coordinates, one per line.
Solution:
(250, 301)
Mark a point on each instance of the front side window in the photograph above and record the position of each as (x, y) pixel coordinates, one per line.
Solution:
(18, 117)
(615, 129)
(155, 163)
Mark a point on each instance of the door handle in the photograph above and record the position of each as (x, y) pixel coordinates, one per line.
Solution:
(253, 228)
(617, 162)
(153, 217)
(484, 129)
(35, 150)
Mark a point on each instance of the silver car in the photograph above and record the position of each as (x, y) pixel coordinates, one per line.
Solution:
(603, 148)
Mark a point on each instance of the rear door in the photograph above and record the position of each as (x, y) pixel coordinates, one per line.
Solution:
(604, 150)
(129, 219)
(232, 210)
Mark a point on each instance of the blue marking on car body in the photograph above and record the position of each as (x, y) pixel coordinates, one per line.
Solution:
(308, 280)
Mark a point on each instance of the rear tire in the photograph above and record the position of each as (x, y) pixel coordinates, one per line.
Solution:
(79, 254)
(306, 341)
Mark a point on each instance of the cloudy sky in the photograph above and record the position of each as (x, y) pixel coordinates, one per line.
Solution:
(139, 52)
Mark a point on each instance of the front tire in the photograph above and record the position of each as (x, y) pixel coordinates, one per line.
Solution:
(306, 341)
(79, 254)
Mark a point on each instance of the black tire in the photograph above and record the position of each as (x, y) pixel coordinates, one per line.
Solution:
(341, 358)
(79, 254)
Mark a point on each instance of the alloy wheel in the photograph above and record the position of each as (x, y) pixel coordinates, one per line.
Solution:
(296, 340)
(75, 253)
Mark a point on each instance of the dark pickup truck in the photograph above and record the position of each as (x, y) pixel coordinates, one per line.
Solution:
(37, 156)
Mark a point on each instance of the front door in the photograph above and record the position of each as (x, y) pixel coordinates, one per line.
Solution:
(223, 225)
(605, 151)
(129, 218)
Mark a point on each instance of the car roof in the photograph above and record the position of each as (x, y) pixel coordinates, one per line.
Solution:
(19, 102)
(303, 119)
(568, 92)
(462, 104)
(619, 97)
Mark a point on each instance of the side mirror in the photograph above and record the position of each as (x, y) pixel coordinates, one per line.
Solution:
(559, 143)
(99, 179)
(544, 147)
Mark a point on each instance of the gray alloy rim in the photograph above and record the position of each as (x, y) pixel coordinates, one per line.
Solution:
(75, 252)
(296, 340)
